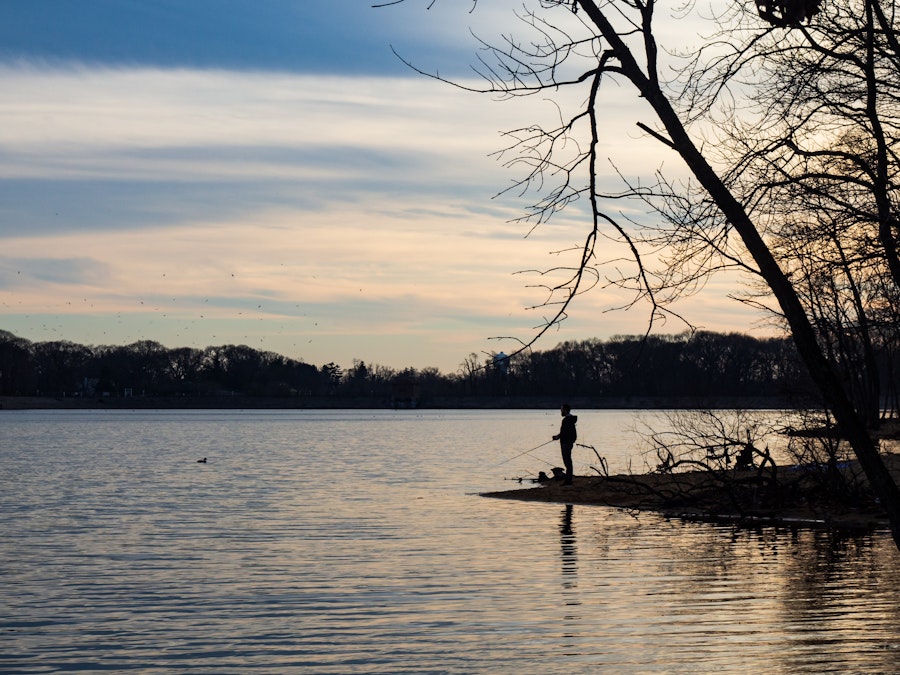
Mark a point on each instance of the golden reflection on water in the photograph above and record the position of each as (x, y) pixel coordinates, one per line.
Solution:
(694, 595)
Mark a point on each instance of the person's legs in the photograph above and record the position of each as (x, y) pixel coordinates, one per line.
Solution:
(566, 449)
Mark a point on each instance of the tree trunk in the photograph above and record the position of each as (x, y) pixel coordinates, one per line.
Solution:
(823, 374)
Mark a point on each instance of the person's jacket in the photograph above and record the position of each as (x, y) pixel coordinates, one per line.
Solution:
(567, 433)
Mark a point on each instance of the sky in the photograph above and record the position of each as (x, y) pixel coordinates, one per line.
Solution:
(272, 174)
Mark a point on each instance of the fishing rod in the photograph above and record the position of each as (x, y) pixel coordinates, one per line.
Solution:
(526, 452)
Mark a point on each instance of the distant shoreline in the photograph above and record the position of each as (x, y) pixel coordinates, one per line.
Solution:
(364, 403)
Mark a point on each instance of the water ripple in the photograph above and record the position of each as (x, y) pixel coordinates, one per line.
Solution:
(351, 542)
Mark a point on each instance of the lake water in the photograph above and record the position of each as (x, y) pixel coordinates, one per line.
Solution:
(355, 542)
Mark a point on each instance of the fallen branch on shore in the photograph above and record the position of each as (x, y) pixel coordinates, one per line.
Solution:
(733, 496)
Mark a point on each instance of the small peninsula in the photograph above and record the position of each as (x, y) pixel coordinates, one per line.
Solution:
(795, 496)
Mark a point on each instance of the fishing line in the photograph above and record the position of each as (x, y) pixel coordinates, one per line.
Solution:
(527, 452)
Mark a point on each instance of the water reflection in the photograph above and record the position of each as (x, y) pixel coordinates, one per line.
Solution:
(798, 601)
(835, 587)
(252, 563)
(569, 549)
(571, 633)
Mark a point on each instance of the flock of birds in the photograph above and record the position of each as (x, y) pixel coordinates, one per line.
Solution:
(186, 329)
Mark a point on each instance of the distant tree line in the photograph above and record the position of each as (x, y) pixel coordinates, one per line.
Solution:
(701, 364)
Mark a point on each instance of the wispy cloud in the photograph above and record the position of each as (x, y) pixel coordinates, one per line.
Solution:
(328, 218)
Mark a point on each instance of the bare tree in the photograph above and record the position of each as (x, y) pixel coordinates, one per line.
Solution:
(736, 206)
(721, 218)
(816, 164)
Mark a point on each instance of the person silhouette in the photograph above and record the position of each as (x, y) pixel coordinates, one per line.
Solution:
(566, 437)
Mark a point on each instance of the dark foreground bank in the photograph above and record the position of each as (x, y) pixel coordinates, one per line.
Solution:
(793, 497)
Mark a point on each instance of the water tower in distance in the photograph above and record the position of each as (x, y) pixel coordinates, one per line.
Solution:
(501, 363)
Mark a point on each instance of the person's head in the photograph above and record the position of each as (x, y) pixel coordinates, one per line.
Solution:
(564, 410)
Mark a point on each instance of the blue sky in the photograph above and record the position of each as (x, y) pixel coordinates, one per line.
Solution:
(269, 173)
(300, 36)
